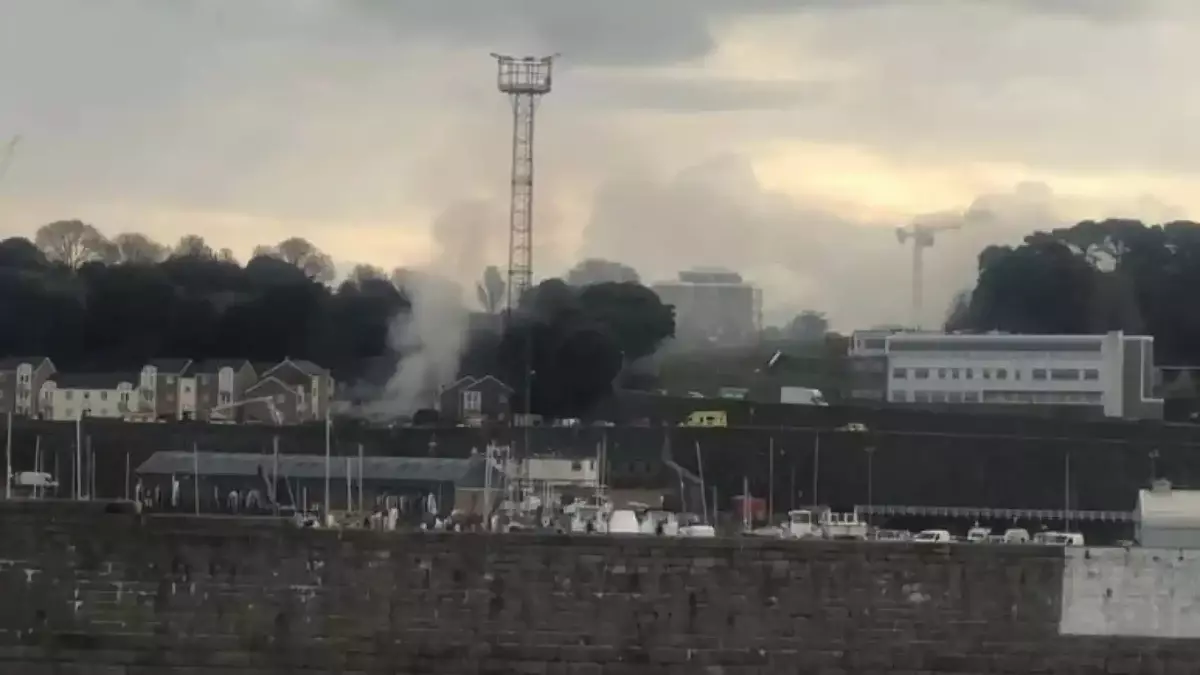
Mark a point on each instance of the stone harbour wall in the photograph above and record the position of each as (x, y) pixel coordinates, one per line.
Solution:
(88, 592)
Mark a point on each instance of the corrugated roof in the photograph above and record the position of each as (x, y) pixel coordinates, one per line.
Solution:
(421, 469)
(1169, 507)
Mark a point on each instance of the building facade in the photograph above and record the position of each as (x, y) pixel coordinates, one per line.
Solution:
(21, 380)
(69, 396)
(1113, 373)
(867, 365)
(713, 307)
(301, 391)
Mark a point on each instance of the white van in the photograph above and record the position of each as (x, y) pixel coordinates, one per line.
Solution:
(1059, 539)
(933, 537)
(1016, 535)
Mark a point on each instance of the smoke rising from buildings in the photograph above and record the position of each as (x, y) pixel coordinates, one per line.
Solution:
(429, 338)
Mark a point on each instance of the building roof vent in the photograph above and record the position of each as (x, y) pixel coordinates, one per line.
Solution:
(1160, 486)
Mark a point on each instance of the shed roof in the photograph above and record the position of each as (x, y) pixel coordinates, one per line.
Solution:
(418, 469)
(1169, 507)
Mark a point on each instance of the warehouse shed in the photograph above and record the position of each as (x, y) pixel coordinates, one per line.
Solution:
(1167, 518)
(301, 478)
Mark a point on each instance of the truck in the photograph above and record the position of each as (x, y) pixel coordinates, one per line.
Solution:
(801, 396)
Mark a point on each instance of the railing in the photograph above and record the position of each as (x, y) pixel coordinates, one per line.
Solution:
(1001, 514)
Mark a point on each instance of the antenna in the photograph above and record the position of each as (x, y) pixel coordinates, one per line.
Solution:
(524, 80)
(922, 237)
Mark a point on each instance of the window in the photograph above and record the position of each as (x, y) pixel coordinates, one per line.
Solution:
(1091, 374)
(954, 397)
(937, 396)
(969, 373)
(104, 396)
(70, 414)
(941, 373)
(899, 396)
(1001, 374)
(987, 373)
(68, 394)
(1064, 374)
(279, 398)
(87, 394)
(921, 373)
(1039, 373)
(921, 397)
(900, 373)
(970, 397)
(954, 373)
(472, 401)
(170, 379)
(576, 465)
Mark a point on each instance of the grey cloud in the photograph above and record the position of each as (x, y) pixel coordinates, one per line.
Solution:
(671, 93)
(716, 213)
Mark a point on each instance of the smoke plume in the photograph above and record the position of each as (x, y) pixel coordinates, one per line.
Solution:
(428, 339)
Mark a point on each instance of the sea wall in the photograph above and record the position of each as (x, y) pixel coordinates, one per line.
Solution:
(95, 593)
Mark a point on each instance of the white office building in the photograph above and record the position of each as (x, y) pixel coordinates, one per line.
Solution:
(1113, 372)
(713, 306)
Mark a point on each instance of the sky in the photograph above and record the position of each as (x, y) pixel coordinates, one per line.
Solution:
(784, 139)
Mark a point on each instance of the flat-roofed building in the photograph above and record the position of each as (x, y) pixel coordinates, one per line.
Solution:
(1113, 373)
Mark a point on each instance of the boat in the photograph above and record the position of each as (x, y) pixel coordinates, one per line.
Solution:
(836, 525)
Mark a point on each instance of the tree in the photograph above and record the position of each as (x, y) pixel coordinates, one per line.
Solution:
(135, 247)
(578, 341)
(598, 271)
(808, 326)
(361, 274)
(490, 290)
(70, 242)
(1093, 277)
(193, 246)
(304, 255)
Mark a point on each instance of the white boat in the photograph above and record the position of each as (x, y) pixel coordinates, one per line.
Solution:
(801, 525)
(843, 526)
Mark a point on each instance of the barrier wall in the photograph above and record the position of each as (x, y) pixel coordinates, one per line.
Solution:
(92, 593)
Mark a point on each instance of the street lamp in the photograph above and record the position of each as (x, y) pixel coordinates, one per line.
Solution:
(1153, 465)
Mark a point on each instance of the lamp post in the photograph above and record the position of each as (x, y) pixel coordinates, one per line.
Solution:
(1153, 465)
(870, 450)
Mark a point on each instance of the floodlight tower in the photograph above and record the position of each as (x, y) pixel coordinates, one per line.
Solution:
(524, 80)
(922, 238)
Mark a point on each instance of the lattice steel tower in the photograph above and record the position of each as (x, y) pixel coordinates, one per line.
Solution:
(525, 80)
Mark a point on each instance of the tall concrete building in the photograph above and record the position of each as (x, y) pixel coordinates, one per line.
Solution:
(713, 306)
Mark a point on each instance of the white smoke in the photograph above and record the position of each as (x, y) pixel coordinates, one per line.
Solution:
(430, 337)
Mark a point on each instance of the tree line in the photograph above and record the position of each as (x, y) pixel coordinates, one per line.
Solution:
(91, 302)
(1093, 277)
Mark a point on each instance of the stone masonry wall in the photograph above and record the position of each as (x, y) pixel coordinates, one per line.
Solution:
(92, 593)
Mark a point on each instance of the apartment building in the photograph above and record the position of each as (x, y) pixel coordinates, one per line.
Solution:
(21, 380)
(67, 397)
(299, 391)
(220, 384)
(1112, 374)
(712, 307)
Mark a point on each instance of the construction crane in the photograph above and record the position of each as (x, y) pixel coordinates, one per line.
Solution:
(6, 155)
(922, 236)
(269, 401)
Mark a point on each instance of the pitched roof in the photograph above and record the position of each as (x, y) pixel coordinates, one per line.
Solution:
(171, 366)
(291, 388)
(93, 380)
(11, 362)
(417, 469)
(487, 378)
(212, 366)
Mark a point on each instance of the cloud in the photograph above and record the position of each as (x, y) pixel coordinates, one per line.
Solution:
(678, 129)
(806, 257)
